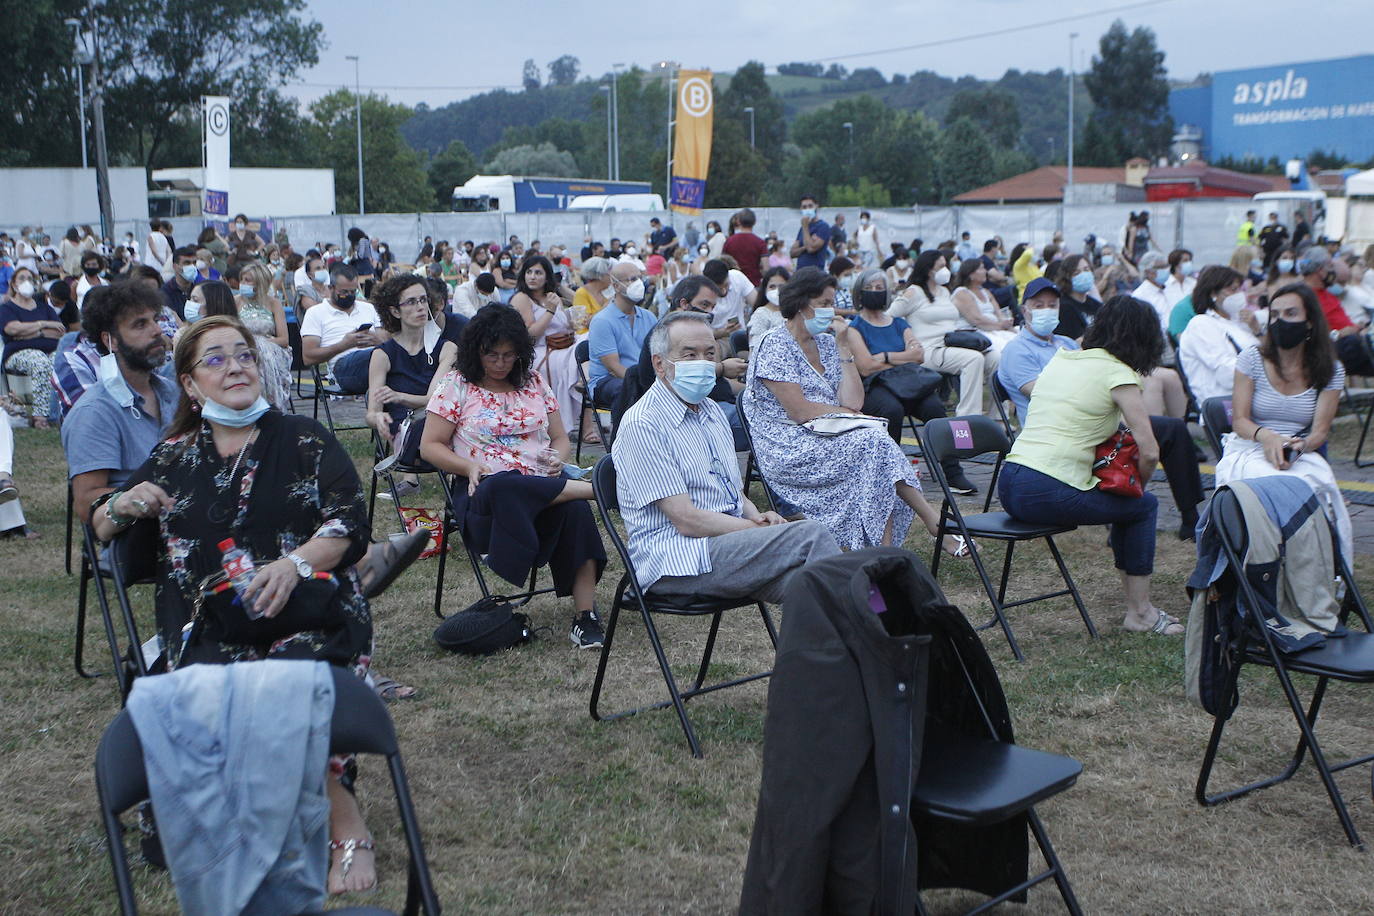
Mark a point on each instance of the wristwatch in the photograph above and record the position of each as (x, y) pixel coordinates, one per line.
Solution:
(302, 567)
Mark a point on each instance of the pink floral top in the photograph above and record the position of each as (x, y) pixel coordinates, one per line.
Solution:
(505, 431)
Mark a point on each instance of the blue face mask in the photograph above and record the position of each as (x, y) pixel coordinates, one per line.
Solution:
(1082, 282)
(322, 277)
(246, 290)
(818, 323)
(1162, 276)
(1285, 265)
(191, 310)
(1256, 266)
(1336, 289)
(188, 272)
(1187, 268)
(693, 379)
(1044, 321)
(1108, 260)
(216, 412)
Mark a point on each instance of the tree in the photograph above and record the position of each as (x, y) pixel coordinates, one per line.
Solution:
(836, 72)
(454, 166)
(531, 75)
(866, 194)
(40, 125)
(393, 173)
(866, 78)
(542, 159)
(993, 110)
(267, 130)
(965, 158)
(737, 173)
(749, 89)
(563, 71)
(800, 69)
(161, 56)
(1130, 89)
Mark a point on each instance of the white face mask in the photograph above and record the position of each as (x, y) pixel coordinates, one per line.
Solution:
(772, 295)
(903, 264)
(24, 288)
(941, 276)
(201, 266)
(1233, 304)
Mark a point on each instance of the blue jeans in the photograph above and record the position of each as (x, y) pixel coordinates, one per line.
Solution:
(1031, 496)
(350, 370)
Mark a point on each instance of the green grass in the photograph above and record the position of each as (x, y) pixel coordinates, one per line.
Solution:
(529, 806)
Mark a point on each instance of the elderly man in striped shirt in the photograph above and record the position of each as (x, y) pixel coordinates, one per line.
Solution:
(693, 531)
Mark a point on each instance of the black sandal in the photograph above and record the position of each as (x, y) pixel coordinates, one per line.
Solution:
(393, 558)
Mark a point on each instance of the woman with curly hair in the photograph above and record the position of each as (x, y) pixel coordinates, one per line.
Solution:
(494, 424)
(1080, 399)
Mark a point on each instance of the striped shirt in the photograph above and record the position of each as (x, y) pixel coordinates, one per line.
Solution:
(75, 369)
(665, 448)
(1285, 414)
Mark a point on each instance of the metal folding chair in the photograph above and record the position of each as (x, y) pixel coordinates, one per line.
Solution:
(132, 561)
(581, 355)
(629, 596)
(1216, 422)
(360, 725)
(1001, 399)
(978, 436)
(1348, 658)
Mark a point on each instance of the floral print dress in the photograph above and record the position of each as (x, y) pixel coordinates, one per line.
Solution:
(295, 483)
(845, 482)
(506, 431)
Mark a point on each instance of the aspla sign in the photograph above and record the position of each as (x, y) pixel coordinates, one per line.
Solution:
(1293, 109)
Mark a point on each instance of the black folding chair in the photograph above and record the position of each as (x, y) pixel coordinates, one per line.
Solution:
(979, 435)
(451, 522)
(132, 561)
(71, 525)
(972, 780)
(1191, 411)
(1001, 399)
(752, 472)
(629, 596)
(581, 355)
(1348, 658)
(360, 725)
(324, 390)
(1216, 422)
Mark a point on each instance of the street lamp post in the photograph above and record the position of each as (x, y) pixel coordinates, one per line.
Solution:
(607, 90)
(750, 111)
(671, 66)
(82, 57)
(849, 126)
(1072, 36)
(615, 116)
(102, 157)
(358, 116)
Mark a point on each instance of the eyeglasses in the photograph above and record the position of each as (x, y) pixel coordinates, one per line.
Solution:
(498, 357)
(220, 361)
(415, 300)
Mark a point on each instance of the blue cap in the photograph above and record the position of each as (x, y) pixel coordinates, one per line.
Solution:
(1037, 286)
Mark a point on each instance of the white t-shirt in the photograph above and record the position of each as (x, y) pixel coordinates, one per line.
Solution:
(330, 324)
(732, 306)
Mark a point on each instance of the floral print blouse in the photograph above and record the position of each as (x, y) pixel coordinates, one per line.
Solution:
(505, 430)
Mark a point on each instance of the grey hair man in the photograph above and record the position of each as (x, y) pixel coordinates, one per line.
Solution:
(693, 532)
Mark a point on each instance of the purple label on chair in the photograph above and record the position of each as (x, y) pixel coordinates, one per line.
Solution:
(1227, 402)
(963, 436)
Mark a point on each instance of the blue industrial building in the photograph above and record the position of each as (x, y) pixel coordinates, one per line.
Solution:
(1285, 111)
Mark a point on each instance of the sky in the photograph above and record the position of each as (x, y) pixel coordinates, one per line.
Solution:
(467, 50)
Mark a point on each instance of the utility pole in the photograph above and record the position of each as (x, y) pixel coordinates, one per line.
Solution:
(358, 115)
(1072, 36)
(102, 158)
(750, 111)
(607, 90)
(672, 88)
(849, 126)
(615, 115)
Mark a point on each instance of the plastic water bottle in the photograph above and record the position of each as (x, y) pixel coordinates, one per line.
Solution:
(239, 568)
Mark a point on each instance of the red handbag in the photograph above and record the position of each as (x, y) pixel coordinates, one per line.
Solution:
(1115, 467)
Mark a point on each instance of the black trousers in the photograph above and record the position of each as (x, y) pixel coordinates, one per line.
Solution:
(1178, 458)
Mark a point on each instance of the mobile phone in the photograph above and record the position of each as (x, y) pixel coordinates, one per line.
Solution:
(365, 327)
(1288, 454)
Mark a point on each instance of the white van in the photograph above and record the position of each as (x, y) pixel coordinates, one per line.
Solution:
(618, 203)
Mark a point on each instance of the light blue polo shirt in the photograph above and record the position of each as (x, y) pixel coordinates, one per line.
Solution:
(1023, 359)
(612, 331)
(108, 429)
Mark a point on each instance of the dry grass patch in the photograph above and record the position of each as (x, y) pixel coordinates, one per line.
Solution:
(528, 806)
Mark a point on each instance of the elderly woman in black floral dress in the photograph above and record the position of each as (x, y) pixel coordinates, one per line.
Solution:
(287, 493)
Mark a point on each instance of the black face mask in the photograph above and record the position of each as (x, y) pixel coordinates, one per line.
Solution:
(1288, 334)
(875, 299)
(345, 300)
(91, 271)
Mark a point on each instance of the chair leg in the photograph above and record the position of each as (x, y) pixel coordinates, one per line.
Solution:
(372, 499)
(70, 521)
(998, 611)
(1052, 860)
(443, 561)
(606, 649)
(706, 655)
(671, 681)
(1364, 433)
(1072, 587)
(82, 597)
(768, 624)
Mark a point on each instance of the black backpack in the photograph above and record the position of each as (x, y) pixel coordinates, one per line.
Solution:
(486, 627)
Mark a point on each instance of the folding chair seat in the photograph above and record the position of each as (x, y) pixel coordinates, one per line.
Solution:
(1216, 422)
(132, 560)
(581, 355)
(451, 522)
(360, 725)
(629, 596)
(979, 435)
(1348, 658)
